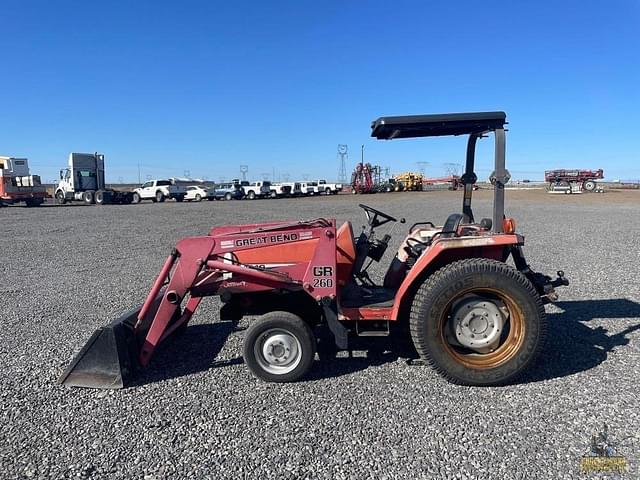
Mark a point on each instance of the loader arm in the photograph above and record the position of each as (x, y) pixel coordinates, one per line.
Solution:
(205, 266)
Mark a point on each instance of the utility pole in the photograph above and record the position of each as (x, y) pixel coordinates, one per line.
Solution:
(362, 154)
(139, 181)
(421, 166)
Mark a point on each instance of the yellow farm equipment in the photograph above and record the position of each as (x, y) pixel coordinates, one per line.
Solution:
(408, 182)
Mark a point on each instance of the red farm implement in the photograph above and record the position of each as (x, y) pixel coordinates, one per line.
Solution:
(362, 179)
(565, 179)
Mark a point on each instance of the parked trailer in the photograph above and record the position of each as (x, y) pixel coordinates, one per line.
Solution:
(83, 181)
(17, 185)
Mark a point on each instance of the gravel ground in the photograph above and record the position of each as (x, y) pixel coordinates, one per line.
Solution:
(198, 412)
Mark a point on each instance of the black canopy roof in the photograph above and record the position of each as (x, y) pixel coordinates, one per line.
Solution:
(436, 125)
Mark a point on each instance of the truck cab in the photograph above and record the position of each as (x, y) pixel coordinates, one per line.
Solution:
(84, 180)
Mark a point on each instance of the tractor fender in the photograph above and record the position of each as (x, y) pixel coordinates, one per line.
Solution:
(447, 250)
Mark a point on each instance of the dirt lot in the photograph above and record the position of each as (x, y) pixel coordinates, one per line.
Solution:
(197, 411)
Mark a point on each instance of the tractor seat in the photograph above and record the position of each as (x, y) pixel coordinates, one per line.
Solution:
(451, 226)
(345, 253)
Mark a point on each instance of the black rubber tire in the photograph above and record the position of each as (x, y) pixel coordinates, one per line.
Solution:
(60, 198)
(88, 197)
(198, 197)
(211, 198)
(228, 196)
(273, 194)
(135, 198)
(251, 195)
(99, 197)
(438, 292)
(159, 196)
(589, 185)
(290, 323)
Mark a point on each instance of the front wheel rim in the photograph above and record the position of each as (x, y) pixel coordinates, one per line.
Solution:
(277, 351)
(511, 332)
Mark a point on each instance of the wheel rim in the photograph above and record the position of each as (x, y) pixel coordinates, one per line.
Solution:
(489, 312)
(277, 351)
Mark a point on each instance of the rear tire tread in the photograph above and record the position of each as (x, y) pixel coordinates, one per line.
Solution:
(445, 276)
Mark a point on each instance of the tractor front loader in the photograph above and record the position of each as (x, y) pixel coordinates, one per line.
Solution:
(473, 317)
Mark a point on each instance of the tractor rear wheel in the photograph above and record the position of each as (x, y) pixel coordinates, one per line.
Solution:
(478, 322)
(589, 185)
(279, 347)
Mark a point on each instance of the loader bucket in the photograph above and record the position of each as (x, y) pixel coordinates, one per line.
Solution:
(109, 359)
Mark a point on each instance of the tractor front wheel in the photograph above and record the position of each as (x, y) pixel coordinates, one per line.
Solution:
(279, 347)
(478, 322)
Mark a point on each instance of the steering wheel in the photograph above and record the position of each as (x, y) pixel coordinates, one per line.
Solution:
(373, 214)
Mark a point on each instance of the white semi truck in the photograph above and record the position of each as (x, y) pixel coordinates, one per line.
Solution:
(83, 180)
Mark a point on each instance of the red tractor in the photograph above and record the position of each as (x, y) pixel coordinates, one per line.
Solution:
(476, 319)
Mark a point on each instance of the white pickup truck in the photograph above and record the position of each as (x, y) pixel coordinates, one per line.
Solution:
(280, 190)
(256, 189)
(159, 191)
(328, 188)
